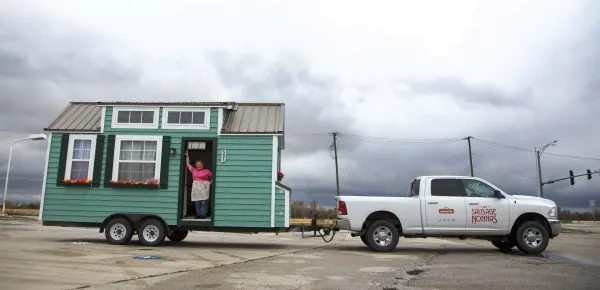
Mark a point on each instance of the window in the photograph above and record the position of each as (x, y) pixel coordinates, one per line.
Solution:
(186, 118)
(476, 188)
(414, 187)
(137, 158)
(80, 157)
(135, 117)
(447, 187)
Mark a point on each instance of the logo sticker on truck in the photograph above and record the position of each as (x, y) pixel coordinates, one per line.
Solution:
(483, 214)
(446, 210)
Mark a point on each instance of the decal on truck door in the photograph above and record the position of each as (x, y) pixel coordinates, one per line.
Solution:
(483, 214)
(446, 211)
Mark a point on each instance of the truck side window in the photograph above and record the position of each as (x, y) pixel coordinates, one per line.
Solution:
(447, 187)
(476, 188)
(414, 188)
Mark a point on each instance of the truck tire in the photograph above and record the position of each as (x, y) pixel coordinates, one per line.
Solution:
(532, 237)
(177, 235)
(382, 236)
(363, 238)
(118, 231)
(504, 245)
(152, 232)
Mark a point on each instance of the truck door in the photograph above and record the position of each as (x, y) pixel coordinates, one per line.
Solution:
(485, 213)
(445, 207)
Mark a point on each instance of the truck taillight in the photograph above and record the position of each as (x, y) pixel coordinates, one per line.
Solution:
(342, 210)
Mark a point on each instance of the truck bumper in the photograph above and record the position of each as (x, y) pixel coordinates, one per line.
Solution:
(555, 227)
(343, 224)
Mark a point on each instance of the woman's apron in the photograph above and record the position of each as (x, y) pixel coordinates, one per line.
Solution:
(200, 190)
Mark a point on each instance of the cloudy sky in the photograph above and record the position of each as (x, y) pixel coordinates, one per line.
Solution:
(383, 74)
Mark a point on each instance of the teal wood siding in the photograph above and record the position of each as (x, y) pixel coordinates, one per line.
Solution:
(82, 204)
(244, 181)
(279, 208)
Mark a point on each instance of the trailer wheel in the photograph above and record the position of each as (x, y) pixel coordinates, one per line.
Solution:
(177, 235)
(152, 232)
(382, 236)
(118, 231)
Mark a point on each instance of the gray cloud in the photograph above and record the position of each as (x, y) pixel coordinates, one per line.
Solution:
(39, 72)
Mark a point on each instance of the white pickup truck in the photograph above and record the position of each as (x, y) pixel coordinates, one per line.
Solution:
(451, 206)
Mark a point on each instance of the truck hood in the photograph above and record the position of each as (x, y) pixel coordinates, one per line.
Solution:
(534, 199)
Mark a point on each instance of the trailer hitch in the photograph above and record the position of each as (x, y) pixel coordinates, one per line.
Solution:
(326, 233)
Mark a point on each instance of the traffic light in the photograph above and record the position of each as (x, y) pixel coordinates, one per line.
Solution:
(589, 174)
(572, 177)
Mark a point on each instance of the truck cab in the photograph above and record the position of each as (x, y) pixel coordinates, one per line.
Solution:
(451, 206)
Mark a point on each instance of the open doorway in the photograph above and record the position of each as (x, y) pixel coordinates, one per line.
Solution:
(198, 149)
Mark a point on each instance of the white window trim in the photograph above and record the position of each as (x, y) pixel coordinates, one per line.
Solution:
(72, 139)
(166, 125)
(117, 155)
(115, 113)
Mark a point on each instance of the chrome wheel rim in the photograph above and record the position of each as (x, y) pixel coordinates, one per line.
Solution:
(532, 237)
(118, 231)
(150, 233)
(382, 236)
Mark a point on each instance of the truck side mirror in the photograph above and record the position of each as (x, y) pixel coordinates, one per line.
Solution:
(497, 194)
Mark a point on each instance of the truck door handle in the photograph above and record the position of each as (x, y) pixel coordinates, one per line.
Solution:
(473, 203)
(433, 202)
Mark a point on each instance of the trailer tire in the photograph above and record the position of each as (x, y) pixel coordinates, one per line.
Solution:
(532, 237)
(382, 236)
(177, 235)
(118, 231)
(152, 232)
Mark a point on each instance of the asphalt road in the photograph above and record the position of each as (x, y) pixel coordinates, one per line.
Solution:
(36, 257)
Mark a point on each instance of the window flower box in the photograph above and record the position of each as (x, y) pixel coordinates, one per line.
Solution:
(81, 182)
(280, 176)
(134, 184)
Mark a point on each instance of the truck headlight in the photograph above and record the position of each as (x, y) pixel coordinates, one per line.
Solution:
(552, 212)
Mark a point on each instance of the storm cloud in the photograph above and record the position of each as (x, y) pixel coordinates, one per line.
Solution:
(403, 100)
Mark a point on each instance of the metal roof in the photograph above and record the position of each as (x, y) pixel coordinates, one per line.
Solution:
(243, 118)
(78, 117)
(252, 118)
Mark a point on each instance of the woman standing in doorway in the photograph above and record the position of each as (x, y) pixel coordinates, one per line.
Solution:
(202, 179)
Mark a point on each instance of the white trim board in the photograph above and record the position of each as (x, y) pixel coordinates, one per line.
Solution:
(72, 138)
(102, 119)
(287, 208)
(115, 114)
(273, 179)
(220, 120)
(45, 180)
(119, 138)
(250, 134)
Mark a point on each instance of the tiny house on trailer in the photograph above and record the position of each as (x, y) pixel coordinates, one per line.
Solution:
(120, 166)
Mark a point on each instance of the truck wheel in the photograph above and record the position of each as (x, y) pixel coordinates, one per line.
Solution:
(503, 245)
(532, 237)
(177, 235)
(382, 236)
(363, 238)
(152, 232)
(118, 231)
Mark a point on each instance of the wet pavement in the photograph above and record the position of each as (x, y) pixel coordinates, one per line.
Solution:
(36, 257)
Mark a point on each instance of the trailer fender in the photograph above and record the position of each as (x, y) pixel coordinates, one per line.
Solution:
(134, 218)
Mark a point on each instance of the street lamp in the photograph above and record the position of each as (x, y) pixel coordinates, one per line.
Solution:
(34, 137)
(538, 154)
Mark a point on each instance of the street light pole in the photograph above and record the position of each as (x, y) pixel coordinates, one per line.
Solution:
(31, 137)
(538, 156)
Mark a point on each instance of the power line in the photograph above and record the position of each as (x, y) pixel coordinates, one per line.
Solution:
(571, 156)
(387, 140)
(529, 150)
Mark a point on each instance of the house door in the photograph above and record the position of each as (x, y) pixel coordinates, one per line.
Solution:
(198, 150)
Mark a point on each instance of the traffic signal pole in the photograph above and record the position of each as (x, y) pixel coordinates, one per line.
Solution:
(572, 177)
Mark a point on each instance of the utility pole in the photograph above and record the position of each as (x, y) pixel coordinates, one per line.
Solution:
(470, 155)
(337, 177)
